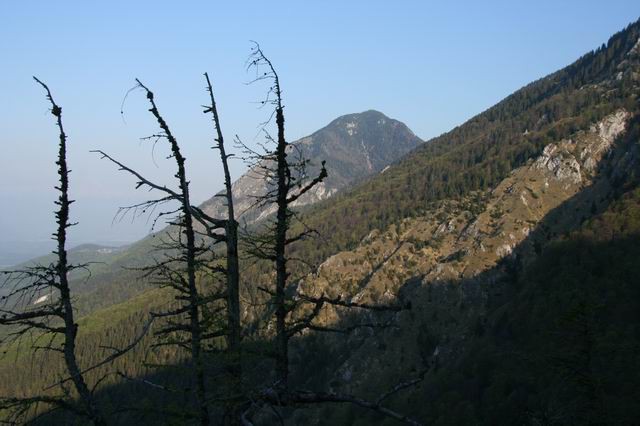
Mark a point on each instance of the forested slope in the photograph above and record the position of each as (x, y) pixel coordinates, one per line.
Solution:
(515, 236)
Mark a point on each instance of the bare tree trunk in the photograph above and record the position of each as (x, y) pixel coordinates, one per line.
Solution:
(288, 189)
(291, 184)
(62, 269)
(282, 224)
(190, 254)
(232, 417)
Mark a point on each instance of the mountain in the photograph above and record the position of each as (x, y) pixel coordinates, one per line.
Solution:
(95, 256)
(516, 250)
(17, 252)
(82, 253)
(478, 154)
(515, 237)
(354, 146)
(467, 261)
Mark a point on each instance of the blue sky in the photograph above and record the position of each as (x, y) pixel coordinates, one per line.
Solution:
(429, 64)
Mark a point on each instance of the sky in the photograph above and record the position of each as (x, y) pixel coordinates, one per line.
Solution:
(432, 65)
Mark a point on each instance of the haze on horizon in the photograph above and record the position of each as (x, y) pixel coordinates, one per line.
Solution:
(429, 66)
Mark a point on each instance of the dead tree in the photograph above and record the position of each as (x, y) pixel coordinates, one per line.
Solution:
(25, 314)
(183, 257)
(293, 311)
(290, 183)
(232, 266)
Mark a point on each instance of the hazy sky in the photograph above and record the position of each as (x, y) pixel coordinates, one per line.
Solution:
(429, 64)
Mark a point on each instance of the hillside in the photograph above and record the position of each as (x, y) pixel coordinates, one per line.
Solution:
(515, 237)
(355, 146)
(470, 271)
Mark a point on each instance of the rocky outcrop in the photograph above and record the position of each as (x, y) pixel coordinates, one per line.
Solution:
(635, 50)
(566, 159)
(562, 167)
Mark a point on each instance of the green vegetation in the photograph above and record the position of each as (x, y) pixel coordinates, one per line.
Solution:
(563, 349)
(552, 341)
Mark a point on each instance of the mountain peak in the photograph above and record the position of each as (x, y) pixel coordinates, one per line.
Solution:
(369, 127)
(354, 146)
(368, 117)
(368, 114)
(360, 144)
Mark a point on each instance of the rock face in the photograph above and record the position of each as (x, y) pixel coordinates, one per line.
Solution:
(561, 167)
(354, 147)
(566, 159)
